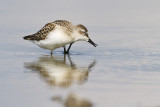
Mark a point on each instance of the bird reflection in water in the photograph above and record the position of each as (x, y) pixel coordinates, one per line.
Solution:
(58, 72)
(73, 100)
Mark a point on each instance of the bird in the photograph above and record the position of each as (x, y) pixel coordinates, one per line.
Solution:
(58, 34)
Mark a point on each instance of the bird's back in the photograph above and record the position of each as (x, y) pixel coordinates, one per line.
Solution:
(65, 25)
(42, 33)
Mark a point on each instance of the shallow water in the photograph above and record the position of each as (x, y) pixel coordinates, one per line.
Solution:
(123, 71)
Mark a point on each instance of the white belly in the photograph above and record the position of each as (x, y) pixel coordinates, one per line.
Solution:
(55, 40)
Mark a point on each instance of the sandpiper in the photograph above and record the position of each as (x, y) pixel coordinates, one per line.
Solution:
(58, 34)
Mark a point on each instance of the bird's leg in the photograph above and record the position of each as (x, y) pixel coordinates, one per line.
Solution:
(69, 47)
(51, 52)
(65, 52)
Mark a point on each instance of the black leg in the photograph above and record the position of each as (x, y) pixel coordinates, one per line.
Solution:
(64, 49)
(65, 52)
(51, 52)
(69, 47)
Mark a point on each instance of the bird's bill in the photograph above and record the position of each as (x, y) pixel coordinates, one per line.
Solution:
(91, 42)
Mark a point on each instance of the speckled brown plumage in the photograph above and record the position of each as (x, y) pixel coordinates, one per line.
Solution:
(64, 23)
(82, 27)
(67, 26)
(42, 34)
(58, 34)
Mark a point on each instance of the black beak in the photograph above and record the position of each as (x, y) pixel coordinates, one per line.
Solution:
(91, 42)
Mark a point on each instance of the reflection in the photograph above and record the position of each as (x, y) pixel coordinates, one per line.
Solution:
(57, 71)
(73, 100)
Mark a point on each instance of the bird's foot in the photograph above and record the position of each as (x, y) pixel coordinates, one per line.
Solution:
(66, 52)
(51, 53)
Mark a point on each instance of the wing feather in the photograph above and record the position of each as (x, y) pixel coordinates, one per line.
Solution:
(42, 33)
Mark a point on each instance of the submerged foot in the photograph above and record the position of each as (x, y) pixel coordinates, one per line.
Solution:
(51, 53)
(66, 52)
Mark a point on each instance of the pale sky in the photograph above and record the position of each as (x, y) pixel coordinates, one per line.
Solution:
(19, 14)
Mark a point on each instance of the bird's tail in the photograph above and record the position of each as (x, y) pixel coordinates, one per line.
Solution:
(30, 37)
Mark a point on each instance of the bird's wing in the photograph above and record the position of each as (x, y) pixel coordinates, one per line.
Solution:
(42, 33)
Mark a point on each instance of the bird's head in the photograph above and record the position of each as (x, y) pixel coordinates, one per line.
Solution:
(83, 34)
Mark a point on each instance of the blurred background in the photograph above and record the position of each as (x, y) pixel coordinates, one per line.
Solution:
(18, 14)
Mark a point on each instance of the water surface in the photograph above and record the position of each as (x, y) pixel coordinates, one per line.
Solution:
(122, 71)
